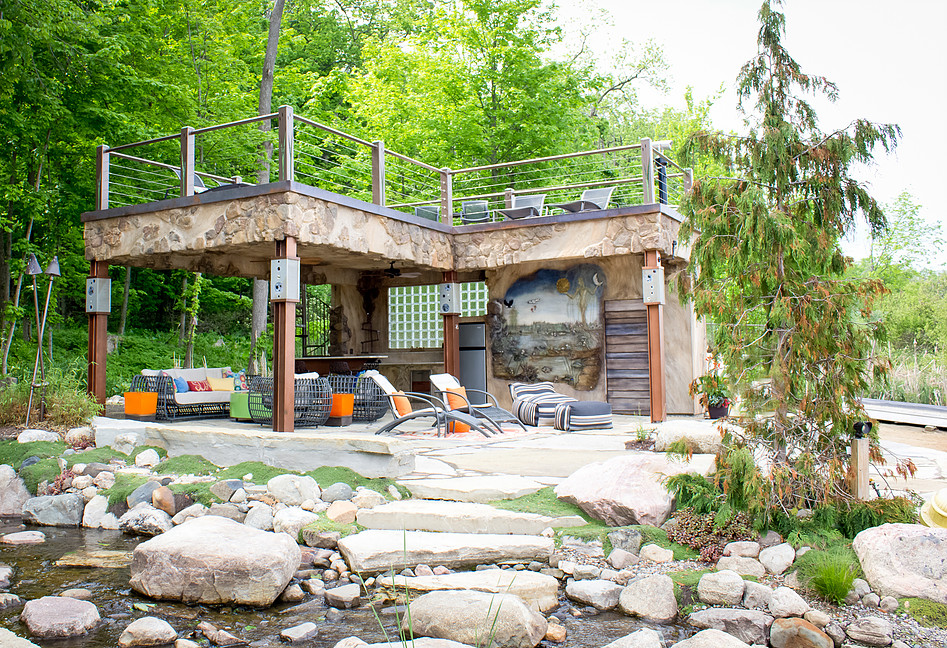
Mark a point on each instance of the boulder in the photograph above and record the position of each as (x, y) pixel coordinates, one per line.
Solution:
(104, 479)
(260, 517)
(6, 573)
(644, 638)
(163, 499)
(225, 488)
(600, 594)
(872, 631)
(902, 560)
(227, 510)
(756, 595)
(147, 631)
(29, 436)
(626, 539)
(13, 492)
(657, 554)
(787, 603)
(291, 519)
(700, 437)
(336, 492)
(7, 601)
(751, 626)
(293, 490)
(651, 598)
(59, 617)
(778, 558)
(743, 566)
(818, 618)
(215, 561)
(54, 510)
(798, 633)
(192, 511)
(96, 515)
(147, 458)
(298, 634)
(366, 498)
(342, 511)
(80, 593)
(79, 482)
(620, 559)
(538, 590)
(80, 436)
(624, 490)
(476, 618)
(145, 519)
(23, 538)
(142, 494)
(711, 639)
(744, 548)
(126, 442)
(10, 640)
(314, 537)
(721, 588)
(344, 597)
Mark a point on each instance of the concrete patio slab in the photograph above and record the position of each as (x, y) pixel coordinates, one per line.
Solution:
(480, 489)
(458, 517)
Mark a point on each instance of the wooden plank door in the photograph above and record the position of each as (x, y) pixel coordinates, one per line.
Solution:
(626, 356)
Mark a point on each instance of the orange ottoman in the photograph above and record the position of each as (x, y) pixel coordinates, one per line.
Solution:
(141, 406)
(341, 412)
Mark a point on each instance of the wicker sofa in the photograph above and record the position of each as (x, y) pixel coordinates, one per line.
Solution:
(191, 404)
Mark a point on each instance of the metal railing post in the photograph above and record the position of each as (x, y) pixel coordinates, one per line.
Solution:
(447, 196)
(287, 169)
(378, 172)
(647, 171)
(187, 161)
(662, 166)
(102, 176)
(508, 198)
(688, 179)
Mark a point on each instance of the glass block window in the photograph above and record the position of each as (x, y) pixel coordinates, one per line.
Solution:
(413, 318)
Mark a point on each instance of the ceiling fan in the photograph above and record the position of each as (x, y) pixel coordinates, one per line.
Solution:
(391, 272)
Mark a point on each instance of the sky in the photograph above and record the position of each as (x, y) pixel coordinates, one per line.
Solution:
(888, 59)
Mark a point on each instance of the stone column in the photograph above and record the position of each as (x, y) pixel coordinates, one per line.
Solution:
(284, 348)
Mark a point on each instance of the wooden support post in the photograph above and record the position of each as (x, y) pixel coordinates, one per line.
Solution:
(284, 351)
(655, 318)
(447, 197)
(859, 468)
(187, 161)
(378, 172)
(287, 164)
(452, 332)
(98, 340)
(647, 171)
(102, 177)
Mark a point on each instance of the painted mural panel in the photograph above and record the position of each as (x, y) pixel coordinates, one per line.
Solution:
(548, 326)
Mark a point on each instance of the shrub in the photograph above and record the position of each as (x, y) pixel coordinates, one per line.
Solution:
(864, 515)
(67, 403)
(830, 572)
(709, 532)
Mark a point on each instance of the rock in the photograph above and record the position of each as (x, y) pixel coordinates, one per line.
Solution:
(10, 640)
(96, 515)
(104, 480)
(293, 490)
(482, 489)
(300, 633)
(292, 594)
(334, 614)
(600, 594)
(742, 566)
(126, 442)
(888, 604)
(902, 560)
(314, 586)
(342, 511)
(186, 643)
(700, 437)
(711, 639)
(871, 600)
(57, 616)
(260, 517)
(29, 436)
(651, 598)
(13, 492)
(870, 630)
(756, 595)
(219, 637)
(80, 593)
(344, 597)
(227, 510)
(163, 499)
(145, 520)
(657, 554)
(225, 488)
(291, 519)
(8, 601)
(792, 580)
(751, 626)
(378, 551)
(147, 458)
(350, 642)
(192, 511)
(744, 548)
(337, 492)
(96, 468)
(23, 538)
(366, 498)
(626, 539)
(818, 618)
(769, 539)
(147, 631)
(80, 482)
(54, 510)
(620, 559)
(6, 573)
(644, 638)
(721, 588)
(778, 558)
(313, 537)
(555, 632)
(797, 633)
(80, 436)
(471, 617)
(538, 590)
(586, 572)
(624, 490)
(835, 631)
(142, 494)
(787, 603)
(215, 561)
(861, 587)
(457, 517)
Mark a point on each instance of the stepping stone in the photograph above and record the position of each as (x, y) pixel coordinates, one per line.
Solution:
(24, 538)
(481, 489)
(538, 590)
(96, 558)
(377, 551)
(458, 517)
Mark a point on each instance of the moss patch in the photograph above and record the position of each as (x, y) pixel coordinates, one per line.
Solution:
(654, 535)
(197, 492)
(137, 451)
(324, 524)
(186, 465)
(95, 455)
(12, 453)
(45, 470)
(260, 471)
(325, 476)
(123, 487)
(688, 577)
(544, 502)
(927, 613)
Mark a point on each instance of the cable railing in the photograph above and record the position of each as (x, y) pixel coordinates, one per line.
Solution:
(295, 148)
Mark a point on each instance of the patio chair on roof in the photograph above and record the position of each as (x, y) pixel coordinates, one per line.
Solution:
(401, 409)
(592, 199)
(199, 186)
(430, 212)
(474, 211)
(450, 391)
(525, 207)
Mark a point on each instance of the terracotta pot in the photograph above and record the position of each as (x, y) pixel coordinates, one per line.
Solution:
(718, 411)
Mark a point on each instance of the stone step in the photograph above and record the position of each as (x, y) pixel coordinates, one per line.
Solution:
(459, 517)
(538, 590)
(480, 489)
(376, 550)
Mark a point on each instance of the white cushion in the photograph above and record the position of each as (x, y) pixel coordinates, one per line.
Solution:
(192, 397)
(312, 375)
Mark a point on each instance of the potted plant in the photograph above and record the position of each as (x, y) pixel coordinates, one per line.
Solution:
(713, 392)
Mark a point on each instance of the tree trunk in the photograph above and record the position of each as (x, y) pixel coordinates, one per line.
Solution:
(124, 316)
(191, 310)
(182, 325)
(258, 319)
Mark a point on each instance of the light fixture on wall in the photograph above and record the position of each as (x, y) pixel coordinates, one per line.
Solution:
(674, 248)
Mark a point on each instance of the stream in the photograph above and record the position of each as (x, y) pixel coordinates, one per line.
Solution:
(36, 574)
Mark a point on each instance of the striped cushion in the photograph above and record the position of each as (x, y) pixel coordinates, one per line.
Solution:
(536, 404)
(583, 415)
(526, 390)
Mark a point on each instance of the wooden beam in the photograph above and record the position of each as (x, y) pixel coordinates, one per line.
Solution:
(98, 341)
(658, 398)
(451, 334)
(284, 351)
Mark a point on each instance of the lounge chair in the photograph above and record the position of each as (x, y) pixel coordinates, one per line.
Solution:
(430, 212)
(474, 211)
(536, 404)
(592, 199)
(448, 389)
(525, 207)
(401, 409)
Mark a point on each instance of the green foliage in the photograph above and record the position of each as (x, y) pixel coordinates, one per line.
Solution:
(186, 465)
(67, 403)
(688, 577)
(12, 453)
(94, 455)
(693, 491)
(654, 535)
(928, 613)
(139, 449)
(261, 472)
(327, 475)
(863, 515)
(829, 572)
(124, 485)
(199, 492)
(543, 502)
(324, 524)
(45, 470)
(709, 532)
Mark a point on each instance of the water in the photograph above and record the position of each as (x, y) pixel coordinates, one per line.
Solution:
(36, 575)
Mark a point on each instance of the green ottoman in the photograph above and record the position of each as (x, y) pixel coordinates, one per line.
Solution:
(240, 406)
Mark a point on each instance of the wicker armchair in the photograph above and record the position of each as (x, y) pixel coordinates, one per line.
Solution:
(312, 402)
(370, 401)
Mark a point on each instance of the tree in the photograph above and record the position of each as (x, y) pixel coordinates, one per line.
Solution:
(794, 336)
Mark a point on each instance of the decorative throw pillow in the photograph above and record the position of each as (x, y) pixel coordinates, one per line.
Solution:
(220, 384)
(198, 386)
(240, 381)
(402, 404)
(180, 385)
(456, 398)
